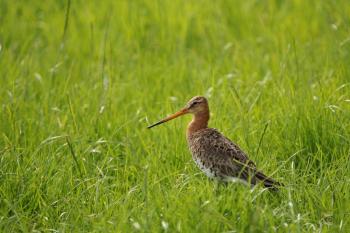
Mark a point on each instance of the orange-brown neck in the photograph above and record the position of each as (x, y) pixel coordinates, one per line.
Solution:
(199, 121)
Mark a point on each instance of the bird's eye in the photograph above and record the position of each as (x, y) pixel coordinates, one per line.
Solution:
(194, 103)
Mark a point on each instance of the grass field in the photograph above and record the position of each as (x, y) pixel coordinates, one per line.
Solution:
(81, 80)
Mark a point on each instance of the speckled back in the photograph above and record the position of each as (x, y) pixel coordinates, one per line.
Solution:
(216, 155)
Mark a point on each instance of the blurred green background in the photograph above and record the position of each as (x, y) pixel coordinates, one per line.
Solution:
(81, 80)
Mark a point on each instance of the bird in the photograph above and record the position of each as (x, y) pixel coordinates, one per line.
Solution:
(214, 154)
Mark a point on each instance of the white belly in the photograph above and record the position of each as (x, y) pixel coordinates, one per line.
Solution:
(208, 172)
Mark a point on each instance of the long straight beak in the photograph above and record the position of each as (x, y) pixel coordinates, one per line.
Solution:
(173, 116)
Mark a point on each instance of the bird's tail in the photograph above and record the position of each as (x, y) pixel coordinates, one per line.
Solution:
(268, 182)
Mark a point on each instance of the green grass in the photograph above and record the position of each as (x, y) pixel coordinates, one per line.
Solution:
(79, 85)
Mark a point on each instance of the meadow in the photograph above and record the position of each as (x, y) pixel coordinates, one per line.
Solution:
(81, 80)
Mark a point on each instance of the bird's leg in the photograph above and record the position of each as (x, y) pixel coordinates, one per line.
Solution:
(216, 187)
(218, 184)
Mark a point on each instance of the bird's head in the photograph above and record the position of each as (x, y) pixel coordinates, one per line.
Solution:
(196, 105)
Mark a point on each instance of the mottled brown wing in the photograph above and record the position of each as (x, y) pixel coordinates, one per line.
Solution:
(226, 149)
(232, 161)
(225, 159)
